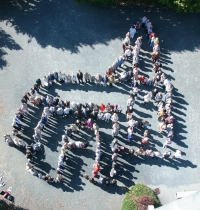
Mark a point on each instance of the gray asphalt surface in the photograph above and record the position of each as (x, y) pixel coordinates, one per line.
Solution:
(38, 37)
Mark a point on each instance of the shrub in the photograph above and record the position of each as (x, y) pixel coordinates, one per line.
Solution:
(137, 193)
(143, 202)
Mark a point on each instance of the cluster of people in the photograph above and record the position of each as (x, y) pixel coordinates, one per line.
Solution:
(87, 114)
(162, 100)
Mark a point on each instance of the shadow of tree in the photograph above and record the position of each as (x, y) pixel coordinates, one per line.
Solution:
(6, 42)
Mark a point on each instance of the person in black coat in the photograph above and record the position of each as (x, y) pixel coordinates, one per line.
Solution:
(38, 82)
(80, 77)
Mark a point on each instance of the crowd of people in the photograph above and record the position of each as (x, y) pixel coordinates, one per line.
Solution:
(88, 114)
(162, 100)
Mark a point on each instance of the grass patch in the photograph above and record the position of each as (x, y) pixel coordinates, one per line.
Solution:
(130, 201)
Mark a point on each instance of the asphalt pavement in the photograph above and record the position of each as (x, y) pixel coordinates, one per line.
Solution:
(39, 37)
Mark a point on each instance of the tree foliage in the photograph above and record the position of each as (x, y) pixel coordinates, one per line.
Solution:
(177, 5)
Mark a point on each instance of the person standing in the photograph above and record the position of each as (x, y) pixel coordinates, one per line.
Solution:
(144, 19)
(167, 143)
(87, 77)
(147, 98)
(111, 80)
(80, 77)
(132, 31)
(177, 154)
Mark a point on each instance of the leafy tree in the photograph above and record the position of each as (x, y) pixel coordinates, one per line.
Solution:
(177, 5)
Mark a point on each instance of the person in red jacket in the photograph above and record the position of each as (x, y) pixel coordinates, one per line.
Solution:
(102, 107)
(96, 167)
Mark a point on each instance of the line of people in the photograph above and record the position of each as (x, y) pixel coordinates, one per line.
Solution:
(162, 100)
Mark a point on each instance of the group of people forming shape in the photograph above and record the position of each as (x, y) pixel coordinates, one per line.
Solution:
(87, 114)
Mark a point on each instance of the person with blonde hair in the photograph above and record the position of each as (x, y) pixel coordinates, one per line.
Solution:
(146, 133)
(111, 80)
(64, 149)
(162, 127)
(156, 40)
(59, 178)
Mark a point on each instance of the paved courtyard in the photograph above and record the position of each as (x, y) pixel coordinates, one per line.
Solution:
(38, 37)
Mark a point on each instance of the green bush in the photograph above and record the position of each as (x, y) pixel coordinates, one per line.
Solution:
(131, 198)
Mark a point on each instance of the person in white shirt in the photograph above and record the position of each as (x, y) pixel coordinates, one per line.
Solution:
(113, 172)
(60, 111)
(156, 154)
(135, 91)
(79, 144)
(32, 171)
(126, 41)
(107, 116)
(73, 79)
(166, 82)
(119, 109)
(132, 32)
(130, 102)
(100, 116)
(127, 53)
(169, 87)
(52, 110)
(114, 117)
(132, 122)
(136, 50)
(130, 130)
(46, 81)
(46, 111)
(123, 76)
(147, 98)
(73, 105)
(67, 111)
(177, 154)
